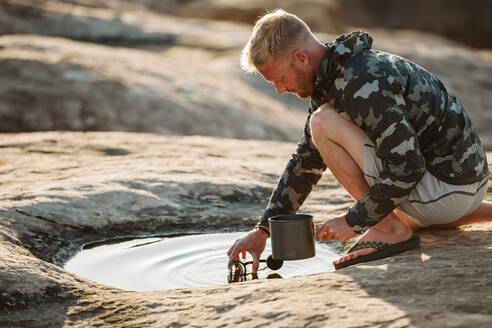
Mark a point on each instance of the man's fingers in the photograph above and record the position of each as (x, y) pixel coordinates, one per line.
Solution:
(231, 249)
(322, 232)
(231, 259)
(232, 256)
(256, 262)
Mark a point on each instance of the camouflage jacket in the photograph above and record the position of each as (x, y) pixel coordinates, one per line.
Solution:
(414, 121)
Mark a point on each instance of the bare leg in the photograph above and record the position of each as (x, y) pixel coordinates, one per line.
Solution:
(341, 143)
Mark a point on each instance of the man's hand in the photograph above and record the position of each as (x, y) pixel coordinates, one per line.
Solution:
(335, 228)
(253, 242)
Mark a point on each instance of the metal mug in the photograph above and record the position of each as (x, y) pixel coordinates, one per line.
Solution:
(292, 236)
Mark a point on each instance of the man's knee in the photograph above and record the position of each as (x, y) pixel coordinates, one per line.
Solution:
(328, 126)
(321, 123)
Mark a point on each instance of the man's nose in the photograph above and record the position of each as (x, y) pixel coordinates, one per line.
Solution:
(280, 89)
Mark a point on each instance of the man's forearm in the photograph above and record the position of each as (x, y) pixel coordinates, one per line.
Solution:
(301, 174)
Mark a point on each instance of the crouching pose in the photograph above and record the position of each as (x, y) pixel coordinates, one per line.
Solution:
(394, 136)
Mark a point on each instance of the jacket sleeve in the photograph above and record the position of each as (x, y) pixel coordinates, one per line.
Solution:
(373, 104)
(301, 174)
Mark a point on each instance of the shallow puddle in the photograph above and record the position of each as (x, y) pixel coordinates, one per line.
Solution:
(180, 262)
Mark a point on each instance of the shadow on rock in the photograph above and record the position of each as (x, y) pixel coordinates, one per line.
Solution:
(442, 266)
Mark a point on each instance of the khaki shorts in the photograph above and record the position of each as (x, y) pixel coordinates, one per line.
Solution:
(432, 201)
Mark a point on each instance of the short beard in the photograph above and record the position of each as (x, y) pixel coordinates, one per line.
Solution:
(303, 94)
(305, 81)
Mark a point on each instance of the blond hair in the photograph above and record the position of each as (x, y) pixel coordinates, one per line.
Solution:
(272, 36)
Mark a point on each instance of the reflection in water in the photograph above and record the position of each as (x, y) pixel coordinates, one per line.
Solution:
(181, 262)
(237, 275)
(274, 276)
(238, 271)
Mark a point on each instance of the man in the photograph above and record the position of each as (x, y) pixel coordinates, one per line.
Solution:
(390, 132)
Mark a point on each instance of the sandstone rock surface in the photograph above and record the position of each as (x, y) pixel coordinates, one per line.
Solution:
(129, 66)
(60, 190)
(118, 65)
(463, 21)
(137, 72)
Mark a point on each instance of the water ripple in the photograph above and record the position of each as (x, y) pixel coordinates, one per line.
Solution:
(187, 261)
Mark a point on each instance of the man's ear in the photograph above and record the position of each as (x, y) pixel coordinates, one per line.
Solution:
(300, 56)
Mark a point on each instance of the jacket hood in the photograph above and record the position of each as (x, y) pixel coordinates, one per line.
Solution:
(349, 44)
(338, 50)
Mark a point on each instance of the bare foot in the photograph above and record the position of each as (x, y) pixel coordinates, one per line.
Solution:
(391, 229)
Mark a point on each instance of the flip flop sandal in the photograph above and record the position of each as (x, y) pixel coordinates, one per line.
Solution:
(384, 250)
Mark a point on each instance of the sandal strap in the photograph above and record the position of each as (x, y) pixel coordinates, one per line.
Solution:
(379, 245)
